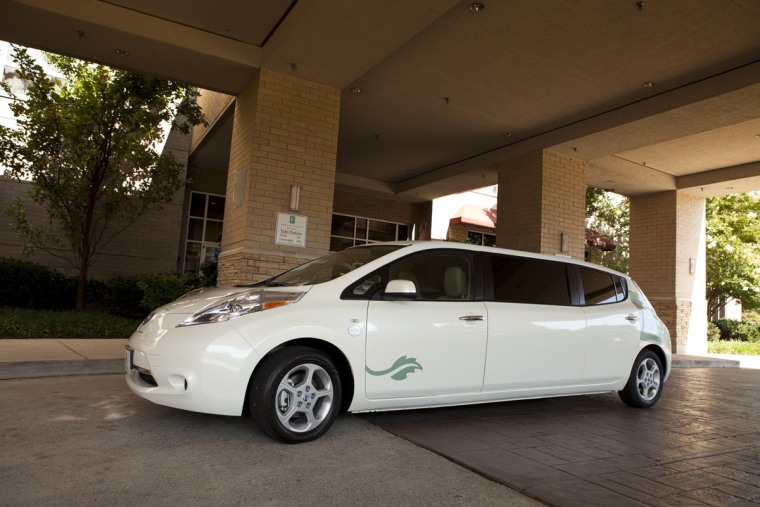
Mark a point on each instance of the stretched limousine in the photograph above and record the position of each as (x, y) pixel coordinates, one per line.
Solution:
(396, 326)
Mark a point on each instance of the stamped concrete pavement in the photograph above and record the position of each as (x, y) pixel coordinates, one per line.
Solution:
(699, 446)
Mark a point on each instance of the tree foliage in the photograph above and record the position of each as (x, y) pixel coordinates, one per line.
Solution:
(608, 215)
(733, 250)
(87, 142)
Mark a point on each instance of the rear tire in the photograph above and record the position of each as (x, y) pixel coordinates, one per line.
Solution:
(296, 394)
(646, 381)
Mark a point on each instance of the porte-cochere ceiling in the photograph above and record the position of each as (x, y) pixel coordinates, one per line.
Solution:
(656, 95)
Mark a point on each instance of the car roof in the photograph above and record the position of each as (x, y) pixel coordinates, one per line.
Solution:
(421, 245)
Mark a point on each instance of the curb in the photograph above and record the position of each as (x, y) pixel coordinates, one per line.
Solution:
(33, 369)
(689, 361)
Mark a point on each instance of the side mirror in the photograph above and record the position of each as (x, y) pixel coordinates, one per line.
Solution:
(400, 290)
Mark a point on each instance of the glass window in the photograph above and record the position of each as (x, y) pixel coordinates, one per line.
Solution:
(342, 226)
(195, 229)
(382, 231)
(204, 229)
(598, 287)
(621, 288)
(438, 275)
(198, 205)
(213, 231)
(347, 231)
(530, 281)
(481, 238)
(215, 207)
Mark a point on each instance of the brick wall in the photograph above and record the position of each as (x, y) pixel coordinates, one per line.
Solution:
(285, 132)
(150, 244)
(542, 196)
(214, 106)
(370, 206)
(667, 259)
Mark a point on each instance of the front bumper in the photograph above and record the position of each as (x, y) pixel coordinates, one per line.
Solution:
(203, 368)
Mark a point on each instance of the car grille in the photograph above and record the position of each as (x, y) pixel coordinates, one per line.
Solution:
(148, 378)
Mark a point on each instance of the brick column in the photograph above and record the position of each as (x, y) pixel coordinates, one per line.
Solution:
(667, 259)
(285, 133)
(542, 198)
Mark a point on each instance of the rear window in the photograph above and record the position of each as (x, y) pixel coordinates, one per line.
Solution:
(529, 281)
(600, 288)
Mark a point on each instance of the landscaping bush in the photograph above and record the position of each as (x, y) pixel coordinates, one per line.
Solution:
(159, 289)
(30, 285)
(738, 330)
(27, 284)
(713, 332)
(123, 296)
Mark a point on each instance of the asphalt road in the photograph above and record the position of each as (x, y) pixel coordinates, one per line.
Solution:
(87, 440)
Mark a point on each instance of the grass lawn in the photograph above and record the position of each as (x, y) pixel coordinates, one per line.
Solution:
(733, 347)
(25, 323)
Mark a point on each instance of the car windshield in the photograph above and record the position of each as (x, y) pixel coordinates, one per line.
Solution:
(331, 266)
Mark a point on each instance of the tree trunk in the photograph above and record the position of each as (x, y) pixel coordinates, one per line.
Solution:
(84, 269)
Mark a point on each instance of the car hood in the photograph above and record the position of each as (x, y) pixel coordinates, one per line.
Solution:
(199, 299)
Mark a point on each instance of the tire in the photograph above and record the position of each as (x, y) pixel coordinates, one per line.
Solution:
(645, 384)
(295, 395)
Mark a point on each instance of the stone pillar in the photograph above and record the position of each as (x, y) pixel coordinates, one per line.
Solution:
(667, 260)
(285, 133)
(541, 201)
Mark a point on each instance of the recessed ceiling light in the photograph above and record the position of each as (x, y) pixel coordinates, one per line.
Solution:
(477, 6)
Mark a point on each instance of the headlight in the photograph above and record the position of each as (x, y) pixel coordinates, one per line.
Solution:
(242, 304)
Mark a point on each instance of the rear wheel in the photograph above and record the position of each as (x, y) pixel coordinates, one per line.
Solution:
(295, 395)
(646, 381)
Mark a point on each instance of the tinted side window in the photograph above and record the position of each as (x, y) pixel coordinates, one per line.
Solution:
(438, 274)
(531, 281)
(598, 287)
(621, 287)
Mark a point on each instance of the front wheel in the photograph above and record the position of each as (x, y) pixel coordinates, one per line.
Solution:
(295, 395)
(646, 381)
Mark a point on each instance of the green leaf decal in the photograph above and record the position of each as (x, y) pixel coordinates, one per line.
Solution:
(402, 367)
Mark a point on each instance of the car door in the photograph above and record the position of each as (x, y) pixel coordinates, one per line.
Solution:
(537, 335)
(433, 344)
(613, 326)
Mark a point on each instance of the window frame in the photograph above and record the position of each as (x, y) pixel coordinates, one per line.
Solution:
(365, 240)
(205, 246)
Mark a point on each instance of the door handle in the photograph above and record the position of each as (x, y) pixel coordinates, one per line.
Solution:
(632, 318)
(470, 318)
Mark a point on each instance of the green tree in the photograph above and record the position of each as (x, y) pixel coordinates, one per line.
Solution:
(608, 215)
(87, 143)
(733, 250)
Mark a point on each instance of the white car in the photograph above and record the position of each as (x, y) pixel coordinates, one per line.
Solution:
(396, 326)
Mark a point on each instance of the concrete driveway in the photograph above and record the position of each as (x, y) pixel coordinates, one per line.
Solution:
(87, 440)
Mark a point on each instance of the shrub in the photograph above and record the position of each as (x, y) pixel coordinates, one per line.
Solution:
(164, 288)
(27, 284)
(738, 330)
(713, 332)
(123, 296)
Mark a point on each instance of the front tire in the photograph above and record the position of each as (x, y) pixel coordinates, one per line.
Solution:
(296, 394)
(646, 381)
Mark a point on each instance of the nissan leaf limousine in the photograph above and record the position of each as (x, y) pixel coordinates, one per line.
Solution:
(400, 325)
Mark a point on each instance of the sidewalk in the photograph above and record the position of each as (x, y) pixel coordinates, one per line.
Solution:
(56, 357)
